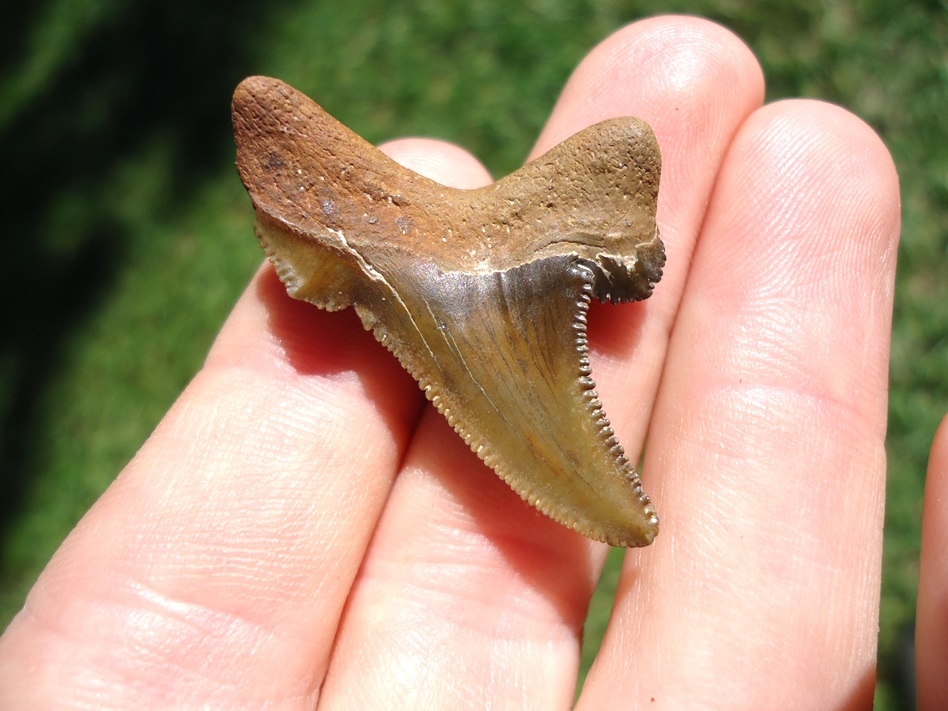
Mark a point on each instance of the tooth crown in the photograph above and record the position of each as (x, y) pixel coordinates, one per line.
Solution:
(481, 294)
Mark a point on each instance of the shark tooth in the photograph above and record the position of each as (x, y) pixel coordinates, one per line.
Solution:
(482, 294)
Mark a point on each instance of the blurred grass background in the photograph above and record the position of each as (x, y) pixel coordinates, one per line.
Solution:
(127, 236)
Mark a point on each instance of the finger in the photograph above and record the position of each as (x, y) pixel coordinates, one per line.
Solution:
(467, 593)
(218, 562)
(931, 622)
(444, 162)
(768, 436)
(693, 82)
(216, 567)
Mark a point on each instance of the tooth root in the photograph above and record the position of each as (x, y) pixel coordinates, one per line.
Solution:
(492, 323)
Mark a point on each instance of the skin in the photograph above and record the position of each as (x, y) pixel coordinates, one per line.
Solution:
(302, 530)
(931, 623)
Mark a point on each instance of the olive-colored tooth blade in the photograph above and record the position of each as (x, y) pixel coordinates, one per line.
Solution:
(504, 357)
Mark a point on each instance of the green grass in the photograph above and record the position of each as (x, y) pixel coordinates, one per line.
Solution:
(127, 235)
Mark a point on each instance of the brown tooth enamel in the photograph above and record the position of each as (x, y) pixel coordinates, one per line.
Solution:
(481, 294)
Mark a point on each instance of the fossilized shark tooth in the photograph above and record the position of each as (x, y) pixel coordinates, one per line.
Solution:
(481, 294)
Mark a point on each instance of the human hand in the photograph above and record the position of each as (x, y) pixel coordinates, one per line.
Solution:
(260, 549)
